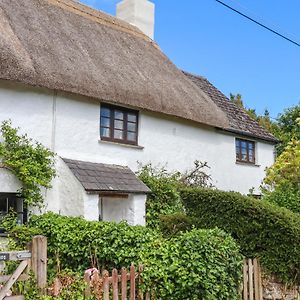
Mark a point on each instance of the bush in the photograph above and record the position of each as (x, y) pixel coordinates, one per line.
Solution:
(171, 225)
(164, 198)
(286, 196)
(201, 264)
(261, 229)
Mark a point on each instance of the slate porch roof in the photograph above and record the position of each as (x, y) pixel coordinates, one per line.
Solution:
(96, 177)
(239, 121)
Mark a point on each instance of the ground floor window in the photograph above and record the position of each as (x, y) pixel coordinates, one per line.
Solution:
(11, 201)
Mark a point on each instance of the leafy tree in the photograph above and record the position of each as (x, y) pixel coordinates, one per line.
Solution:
(282, 183)
(288, 126)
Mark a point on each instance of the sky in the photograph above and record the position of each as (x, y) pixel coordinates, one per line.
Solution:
(237, 56)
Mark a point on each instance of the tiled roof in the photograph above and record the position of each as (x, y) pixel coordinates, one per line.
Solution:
(239, 121)
(96, 177)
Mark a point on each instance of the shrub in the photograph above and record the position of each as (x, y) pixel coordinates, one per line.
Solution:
(200, 264)
(286, 196)
(171, 225)
(261, 229)
(164, 198)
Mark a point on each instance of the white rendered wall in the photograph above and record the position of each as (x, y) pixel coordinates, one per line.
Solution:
(70, 126)
(8, 181)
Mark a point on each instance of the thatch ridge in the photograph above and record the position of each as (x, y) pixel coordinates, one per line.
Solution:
(43, 43)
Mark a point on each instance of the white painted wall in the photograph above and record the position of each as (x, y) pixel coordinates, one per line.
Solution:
(8, 181)
(69, 125)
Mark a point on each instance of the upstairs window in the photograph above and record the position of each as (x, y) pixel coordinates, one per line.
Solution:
(245, 151)
(119, 125)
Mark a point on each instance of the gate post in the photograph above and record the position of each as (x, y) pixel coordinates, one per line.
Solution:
(39, 261)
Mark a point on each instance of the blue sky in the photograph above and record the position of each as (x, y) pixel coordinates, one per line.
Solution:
(203, 37)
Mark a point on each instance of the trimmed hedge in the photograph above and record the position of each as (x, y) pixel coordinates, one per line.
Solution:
(201, 264)
(261, 229)
(174, 224)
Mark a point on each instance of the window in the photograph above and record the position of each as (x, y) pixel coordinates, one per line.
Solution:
(10, 201)
(245, 151)
(119, 125)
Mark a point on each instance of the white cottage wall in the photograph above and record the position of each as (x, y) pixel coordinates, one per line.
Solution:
(69, 124)
(9, 183)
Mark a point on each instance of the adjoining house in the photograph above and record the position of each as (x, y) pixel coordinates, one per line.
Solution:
(100, 93)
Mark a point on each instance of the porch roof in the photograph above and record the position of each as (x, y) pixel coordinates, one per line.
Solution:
(98, 177)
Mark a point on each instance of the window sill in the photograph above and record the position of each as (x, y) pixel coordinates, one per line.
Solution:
(121, 144)
(247, 164)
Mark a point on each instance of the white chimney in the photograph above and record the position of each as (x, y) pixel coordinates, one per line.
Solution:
(139, 13)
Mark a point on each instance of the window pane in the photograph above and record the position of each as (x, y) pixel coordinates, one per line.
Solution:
(119, 115)
(131, 127)
(105, 122)
(105, 132)
(244, 154)
(118, 134)
(251, 155)
(244, 144)
(131, 117)
(131, 136)
(105, 112)
(119, 124)
(250, 145)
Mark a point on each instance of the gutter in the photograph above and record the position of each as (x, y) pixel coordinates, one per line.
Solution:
(274, 140)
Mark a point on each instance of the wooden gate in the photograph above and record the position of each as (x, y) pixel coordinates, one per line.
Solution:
(252, 284)
(34, 259)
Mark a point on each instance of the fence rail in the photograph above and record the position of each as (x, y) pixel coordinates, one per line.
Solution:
(252, 283)
(117, 286)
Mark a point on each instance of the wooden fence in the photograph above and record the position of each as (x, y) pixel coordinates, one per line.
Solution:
(35, 259)
(252, 283)
(117, 286)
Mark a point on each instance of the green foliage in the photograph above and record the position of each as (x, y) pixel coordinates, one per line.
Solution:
(282, 182)
(73, 287)
(288, 127)
(261, 229)
(286, 196)
(286, 169)
(77, 244)
(200, 264)
(196, 265)
(164, 198)
(171, 225)
(31, 162)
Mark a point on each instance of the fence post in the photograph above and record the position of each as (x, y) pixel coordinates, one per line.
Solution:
(39, 261)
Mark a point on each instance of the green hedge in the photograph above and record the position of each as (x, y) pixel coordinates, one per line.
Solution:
(261, 229)
(199, 264)
(174, 224)
(202, 264)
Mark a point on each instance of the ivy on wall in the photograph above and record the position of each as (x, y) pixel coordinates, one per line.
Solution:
(29, 161)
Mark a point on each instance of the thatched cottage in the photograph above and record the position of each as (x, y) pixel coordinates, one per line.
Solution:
(100, 93)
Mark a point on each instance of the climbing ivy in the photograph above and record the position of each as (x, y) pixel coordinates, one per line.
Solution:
(29, 161)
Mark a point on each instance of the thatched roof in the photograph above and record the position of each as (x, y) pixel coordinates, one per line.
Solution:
(66, 46)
